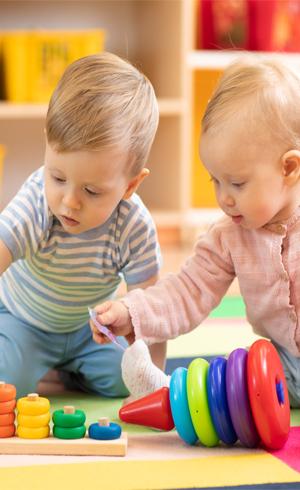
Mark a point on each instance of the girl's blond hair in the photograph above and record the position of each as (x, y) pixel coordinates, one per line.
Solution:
(103, 101)
(263, 91)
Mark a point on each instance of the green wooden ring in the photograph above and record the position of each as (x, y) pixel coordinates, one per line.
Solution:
(198, 402)
(61, 419)
(69, 432)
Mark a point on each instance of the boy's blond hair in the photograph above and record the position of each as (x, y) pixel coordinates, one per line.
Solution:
(258, 91)
(103, 101)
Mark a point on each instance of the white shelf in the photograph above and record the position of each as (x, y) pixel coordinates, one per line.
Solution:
(8, 110)
(218, 59)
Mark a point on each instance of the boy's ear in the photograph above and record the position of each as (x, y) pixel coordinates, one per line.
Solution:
(135, 182)
(291, 166)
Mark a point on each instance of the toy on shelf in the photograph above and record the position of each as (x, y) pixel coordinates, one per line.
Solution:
(33, 417)
(7, 410)
(244, 397)
(69, 423)
(104, 430)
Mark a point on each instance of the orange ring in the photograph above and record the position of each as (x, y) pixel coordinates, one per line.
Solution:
(7, 392)
(7, 419)
(268, 394)
(7, 431)
(9, 406)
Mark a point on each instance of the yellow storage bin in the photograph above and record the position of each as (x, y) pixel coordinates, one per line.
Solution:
(2, 155)
(35, 60)
(203, 195)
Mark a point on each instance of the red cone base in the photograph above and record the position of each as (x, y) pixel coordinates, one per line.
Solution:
(152, 410)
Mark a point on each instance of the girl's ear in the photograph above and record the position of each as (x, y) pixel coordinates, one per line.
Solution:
(291, 166)
(135, 182)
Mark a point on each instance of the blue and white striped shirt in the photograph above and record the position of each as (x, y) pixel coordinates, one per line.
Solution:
(55, 276)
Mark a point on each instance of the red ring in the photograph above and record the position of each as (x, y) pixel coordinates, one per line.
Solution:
(268, 394)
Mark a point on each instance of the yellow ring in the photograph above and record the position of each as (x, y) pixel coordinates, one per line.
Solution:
(33, 407)
(33, 433)
(33, 421)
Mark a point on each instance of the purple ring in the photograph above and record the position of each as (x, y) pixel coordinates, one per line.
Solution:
(238, 399)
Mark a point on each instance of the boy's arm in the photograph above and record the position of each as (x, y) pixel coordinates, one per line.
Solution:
(158, 351)
(5, 257)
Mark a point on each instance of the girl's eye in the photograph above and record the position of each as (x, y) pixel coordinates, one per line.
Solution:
(214, 181)
(237, 184)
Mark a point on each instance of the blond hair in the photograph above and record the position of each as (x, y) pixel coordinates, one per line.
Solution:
(103, 101)
(265, 91)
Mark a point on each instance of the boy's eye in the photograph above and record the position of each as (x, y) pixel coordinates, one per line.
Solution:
(58, 179)
(91, 192)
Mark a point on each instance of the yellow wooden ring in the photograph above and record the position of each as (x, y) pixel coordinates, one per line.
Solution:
(33, 420)
(33, 407)
(33, 433)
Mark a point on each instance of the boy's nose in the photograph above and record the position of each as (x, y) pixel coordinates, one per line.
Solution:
(71, 201)
(227, 200)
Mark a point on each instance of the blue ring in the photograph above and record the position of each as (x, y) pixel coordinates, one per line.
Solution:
(217, 400)
(180, 408)
(105, 433)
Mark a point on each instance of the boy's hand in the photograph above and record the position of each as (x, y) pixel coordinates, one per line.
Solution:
(115, 316)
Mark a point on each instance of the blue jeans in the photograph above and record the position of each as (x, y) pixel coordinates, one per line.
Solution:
(291, 367)
(27, 353)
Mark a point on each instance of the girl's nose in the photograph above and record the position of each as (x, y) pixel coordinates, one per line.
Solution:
(226, 199)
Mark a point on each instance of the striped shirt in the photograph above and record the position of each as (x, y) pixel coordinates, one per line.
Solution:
(55, 276)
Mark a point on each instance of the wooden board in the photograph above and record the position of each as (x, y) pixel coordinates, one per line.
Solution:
(71, 447)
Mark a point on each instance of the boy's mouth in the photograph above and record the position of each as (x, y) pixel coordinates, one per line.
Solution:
(69, 221)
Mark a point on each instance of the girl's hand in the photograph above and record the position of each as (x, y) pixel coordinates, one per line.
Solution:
(115, 316)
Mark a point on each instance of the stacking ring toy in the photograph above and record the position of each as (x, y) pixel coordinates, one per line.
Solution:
(198, 402)
(6, 407)
(104, 430)
(7, 392)
(33, 404)
(180, 407)
(268, 394)
(33, 421)
(33, 433)
(217, 400)
(61, 418)
(7, 419)
(238, 399)
(69, 432)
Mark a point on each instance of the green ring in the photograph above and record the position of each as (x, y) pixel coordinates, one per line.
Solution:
(61, 419)
(69, 433)
(198, 402)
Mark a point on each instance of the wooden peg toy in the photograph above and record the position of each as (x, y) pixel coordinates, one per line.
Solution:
(104, 430)
(33, 417)
(7, 409)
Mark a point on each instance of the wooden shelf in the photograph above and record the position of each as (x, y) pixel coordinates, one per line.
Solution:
(218, 59)
(8, 110)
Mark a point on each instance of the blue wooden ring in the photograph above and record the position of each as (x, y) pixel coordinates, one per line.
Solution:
(103, 432)
(217, 400)
(180, 408)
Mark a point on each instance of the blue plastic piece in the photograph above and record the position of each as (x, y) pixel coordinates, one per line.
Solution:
(105, 433)
(179, 406)
(217, 401)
